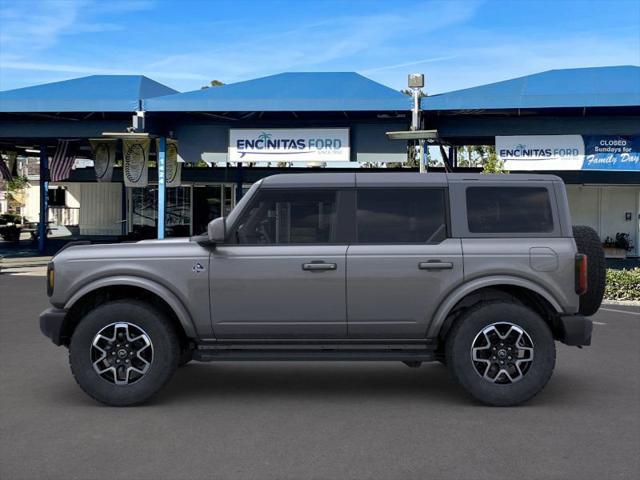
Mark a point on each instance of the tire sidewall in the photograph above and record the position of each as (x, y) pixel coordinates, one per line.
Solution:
(165, 352)
(458, 353)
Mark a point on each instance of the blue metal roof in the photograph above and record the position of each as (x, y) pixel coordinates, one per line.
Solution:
(299, 92)
(96, 93)
(576, 87)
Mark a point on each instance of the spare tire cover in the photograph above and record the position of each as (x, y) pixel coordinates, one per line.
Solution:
(588, 242)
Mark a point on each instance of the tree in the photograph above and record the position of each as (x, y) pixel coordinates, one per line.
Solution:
(15, 194)
(408, 92)
(493, 164)
(213, 83)
(480, 156)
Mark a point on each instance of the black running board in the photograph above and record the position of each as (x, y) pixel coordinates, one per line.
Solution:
(244, 354)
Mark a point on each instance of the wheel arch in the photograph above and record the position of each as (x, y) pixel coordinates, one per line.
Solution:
(488, 287)
(120, 287)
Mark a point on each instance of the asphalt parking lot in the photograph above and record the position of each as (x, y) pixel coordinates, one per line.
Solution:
(315, 420)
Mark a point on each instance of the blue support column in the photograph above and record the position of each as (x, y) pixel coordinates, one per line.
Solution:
(44, 199)
(162, 191)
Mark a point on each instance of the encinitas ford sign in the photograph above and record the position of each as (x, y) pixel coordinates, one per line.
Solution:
(569, 152)
(541, 152)
(289, 145)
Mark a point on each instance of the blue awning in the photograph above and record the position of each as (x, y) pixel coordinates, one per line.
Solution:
(288, 92)
(577, 87)
(96, 93)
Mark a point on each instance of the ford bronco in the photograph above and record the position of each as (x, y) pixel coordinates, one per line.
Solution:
(480, 272)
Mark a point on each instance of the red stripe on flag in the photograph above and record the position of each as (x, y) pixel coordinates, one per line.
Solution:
(62, 161)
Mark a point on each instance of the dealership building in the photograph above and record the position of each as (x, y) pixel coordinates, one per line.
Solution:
(210, 145)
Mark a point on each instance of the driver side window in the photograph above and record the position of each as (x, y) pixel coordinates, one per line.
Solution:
(281, 217)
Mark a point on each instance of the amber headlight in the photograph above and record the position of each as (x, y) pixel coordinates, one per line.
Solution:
(50, 278)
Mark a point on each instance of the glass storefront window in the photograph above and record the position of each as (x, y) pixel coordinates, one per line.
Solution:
(183, 218)
(178, 218)
(209, 202)
(228, 199)
(144, 212)
(207, 205)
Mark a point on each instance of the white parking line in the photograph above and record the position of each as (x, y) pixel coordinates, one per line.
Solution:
(620, 311)
(598, 323)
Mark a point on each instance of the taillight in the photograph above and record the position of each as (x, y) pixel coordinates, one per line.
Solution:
(50, 278)
(581, 274)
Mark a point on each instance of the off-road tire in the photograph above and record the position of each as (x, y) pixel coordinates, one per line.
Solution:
(460, 339)
(588, 242)
(166, 352)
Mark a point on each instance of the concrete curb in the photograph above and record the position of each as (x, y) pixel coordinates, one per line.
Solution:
(29, 262)
(630, 303)
(23, 265)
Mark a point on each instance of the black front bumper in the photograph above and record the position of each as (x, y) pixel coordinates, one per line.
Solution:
(52, 324)
(575, 330)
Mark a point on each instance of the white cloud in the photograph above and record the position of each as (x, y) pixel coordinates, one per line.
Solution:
(41, 29)
(503, 57)
(352, 42)
(89, 70)
(31, 27)
(436, 37)
(408, 64)
(314, 46)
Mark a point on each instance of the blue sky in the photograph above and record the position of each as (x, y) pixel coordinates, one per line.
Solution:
(184, 44)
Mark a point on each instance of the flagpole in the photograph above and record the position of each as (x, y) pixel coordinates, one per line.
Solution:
(44, 199)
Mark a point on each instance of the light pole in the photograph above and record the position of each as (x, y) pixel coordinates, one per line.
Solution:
(416, 83)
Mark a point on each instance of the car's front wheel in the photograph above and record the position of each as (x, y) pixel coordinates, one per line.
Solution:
(123, 352)
(502, 353)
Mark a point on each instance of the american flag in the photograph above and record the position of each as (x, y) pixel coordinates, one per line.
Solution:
(5, 173)
(62, 161)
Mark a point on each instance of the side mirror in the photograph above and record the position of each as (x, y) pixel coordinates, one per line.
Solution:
(217, 230)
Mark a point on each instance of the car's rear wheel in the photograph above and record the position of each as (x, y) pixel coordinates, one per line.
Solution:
(502, 353)
(123, 352)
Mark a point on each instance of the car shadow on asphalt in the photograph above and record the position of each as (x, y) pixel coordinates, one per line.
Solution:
(354, 381)
(350, 382)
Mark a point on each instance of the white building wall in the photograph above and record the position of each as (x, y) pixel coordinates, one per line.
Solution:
(73, 195)
(3, 202)
(605, 207)
(100, 208)
(31, 209)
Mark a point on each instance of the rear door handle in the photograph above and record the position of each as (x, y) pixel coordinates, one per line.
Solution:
(319, 266)
(435, 265)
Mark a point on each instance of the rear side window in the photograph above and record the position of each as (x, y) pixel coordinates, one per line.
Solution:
(509, 210)
(407, 215)
(280, 217)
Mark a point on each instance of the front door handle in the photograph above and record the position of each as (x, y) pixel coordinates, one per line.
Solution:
(435, 265)
(319, 266)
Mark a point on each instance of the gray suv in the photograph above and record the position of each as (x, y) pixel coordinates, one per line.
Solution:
(480, 272)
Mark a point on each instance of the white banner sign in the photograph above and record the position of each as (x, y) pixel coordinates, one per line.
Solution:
(136, 162)
(289, 145)
(541, 152)
(104, 157)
